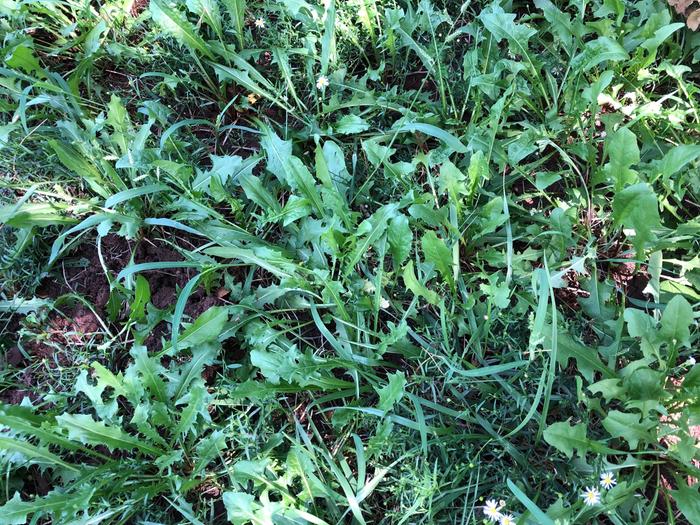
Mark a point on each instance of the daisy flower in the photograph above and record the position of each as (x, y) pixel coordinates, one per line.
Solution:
(384, 304)
(259, 23)
(607, 480)
(491, 509)
(691, 361)
(507, 519)
(591, 496)
(322, 82)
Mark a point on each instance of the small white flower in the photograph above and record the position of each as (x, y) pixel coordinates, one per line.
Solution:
(383, 303)
(492, 510)
(507, 519)
(691, 361)
(607, 480)
(260, 23)
(322, 82)
(368, 287)
(591, 496)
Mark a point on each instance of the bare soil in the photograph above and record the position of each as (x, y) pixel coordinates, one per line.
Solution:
(82, 273)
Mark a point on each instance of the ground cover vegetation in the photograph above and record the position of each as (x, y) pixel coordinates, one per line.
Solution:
(356, 261)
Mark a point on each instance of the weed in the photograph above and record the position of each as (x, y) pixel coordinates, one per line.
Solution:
(349, 262)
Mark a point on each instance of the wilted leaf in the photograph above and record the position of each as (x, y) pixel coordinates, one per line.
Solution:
(693, 20)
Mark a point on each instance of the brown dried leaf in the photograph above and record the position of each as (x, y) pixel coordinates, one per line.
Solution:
(693, 20)
(680, 5)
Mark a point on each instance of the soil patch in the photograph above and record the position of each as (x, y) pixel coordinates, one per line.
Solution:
(82, 273)
(73, 327)
(138, 7)
(166, 284)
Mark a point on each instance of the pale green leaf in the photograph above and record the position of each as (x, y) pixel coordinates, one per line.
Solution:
(595, 52)
(350, 125)
(85, 429)
(623, 152)
(438, 254)
(203, 354)
(502, 26)
(676, 321)
(433, 131)
(631, 427)
(369, 232)
(268, 258)
(676, 159)
(688, 501)
(34, 453)
(236, 10)
(60, 504)
(418, 288)
(587, 359)
(400, 239)
(176, 24)
(151, 372)
(636, 207)
(207, 327)
(452, 181)
(196, 402)
(241, 508)
(567, 438)
(392, 392)
(597, 305)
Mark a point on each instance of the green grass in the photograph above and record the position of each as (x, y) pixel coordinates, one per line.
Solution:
(466, 269)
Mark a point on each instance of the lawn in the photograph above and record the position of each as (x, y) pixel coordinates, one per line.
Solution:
(349, 262)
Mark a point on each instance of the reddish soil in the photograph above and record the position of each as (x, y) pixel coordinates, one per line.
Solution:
(629, 278)
(85, 276)
(265, 59)
(137, 7)
(72, 327)
(82, 273)
(14, 396)
(419, 80)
